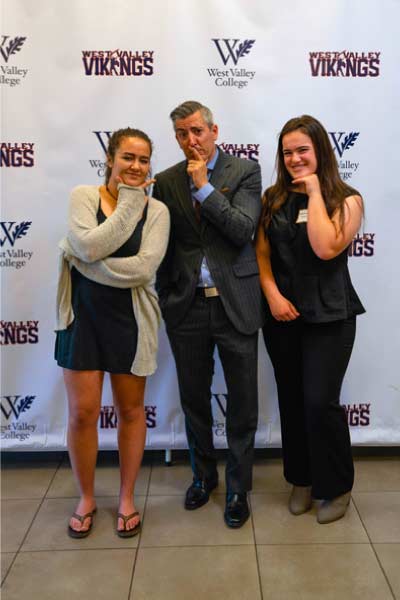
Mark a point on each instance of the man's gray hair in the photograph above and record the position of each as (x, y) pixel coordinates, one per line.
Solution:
(188, 108)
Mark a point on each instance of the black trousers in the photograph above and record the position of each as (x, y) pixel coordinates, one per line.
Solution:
(309, 362)
(193, 342)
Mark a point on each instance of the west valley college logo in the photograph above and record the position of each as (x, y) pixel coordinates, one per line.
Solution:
(96, 163)
(343, 141)
(11, 75)
(12, 408)
(231, 51)
(12, 232)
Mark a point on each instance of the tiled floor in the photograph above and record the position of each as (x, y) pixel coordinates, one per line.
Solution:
(183, 555)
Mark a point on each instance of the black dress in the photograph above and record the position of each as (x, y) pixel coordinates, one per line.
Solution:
(103, 334)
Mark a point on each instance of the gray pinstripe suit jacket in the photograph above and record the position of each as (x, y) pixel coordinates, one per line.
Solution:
(229, 218)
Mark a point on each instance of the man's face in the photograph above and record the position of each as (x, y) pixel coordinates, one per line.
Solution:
(193, 132)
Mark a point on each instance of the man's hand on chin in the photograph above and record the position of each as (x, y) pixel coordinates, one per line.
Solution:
(197, 169)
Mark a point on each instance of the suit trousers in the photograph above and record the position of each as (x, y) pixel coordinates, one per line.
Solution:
(193, 342)
(310, 361)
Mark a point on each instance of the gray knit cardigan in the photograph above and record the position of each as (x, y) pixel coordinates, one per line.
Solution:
(88, 246)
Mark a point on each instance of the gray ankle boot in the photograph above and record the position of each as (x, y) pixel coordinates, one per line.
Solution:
(300, 499)
(332, 510)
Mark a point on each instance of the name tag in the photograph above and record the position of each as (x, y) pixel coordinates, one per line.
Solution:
(302, 216)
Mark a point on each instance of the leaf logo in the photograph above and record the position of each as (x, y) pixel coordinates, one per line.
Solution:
(25, 404)
(244, 48)
(21, 229)
(12, 47)
(349, 140)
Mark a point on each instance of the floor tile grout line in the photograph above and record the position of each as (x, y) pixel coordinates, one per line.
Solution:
(339, 543)
(190, 546)
(34, 517)
(140, 532)
(373, 549)
(255, 550)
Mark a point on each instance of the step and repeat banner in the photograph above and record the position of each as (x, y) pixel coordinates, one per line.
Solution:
(73, 72)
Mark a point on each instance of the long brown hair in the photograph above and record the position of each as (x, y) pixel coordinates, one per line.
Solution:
(334, 190)
(115, 140)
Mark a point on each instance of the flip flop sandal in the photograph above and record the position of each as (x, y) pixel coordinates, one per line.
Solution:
(81, 534)
(126, 533)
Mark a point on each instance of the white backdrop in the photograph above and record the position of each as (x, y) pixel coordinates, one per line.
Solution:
(72, 71)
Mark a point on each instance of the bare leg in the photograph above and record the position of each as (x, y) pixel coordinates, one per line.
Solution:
(128, 393)
(84, 399)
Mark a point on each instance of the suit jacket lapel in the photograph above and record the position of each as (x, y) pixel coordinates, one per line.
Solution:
(218, 176)
(184, 195)
(219, 171)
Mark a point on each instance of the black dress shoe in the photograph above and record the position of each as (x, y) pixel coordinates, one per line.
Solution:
(199, 493)
(236, 510)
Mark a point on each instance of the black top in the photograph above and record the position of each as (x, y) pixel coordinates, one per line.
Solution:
(103, 334)
(321, 290)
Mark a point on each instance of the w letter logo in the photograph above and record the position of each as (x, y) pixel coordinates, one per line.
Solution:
(103, 137)
(15, 405)
(228, 48)
(10, 235)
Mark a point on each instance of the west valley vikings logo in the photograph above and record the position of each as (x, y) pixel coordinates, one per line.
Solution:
(358, 415)
(13, 407)
(19, 332)
(8, 47)
(108, 417)
(16, 154)
(363, 244)
(231, 51)
(343, 141)
(120, 63)
(10, 233)
(100, 164)
(345, 64)
(249, 151)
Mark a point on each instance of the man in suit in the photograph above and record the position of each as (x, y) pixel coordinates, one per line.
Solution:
(210, 296)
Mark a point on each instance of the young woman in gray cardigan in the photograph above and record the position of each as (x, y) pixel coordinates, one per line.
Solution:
(108, 317)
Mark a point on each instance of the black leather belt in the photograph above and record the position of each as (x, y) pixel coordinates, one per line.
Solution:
(207, 292)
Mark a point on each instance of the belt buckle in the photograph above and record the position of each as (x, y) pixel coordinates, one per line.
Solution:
(211, 292)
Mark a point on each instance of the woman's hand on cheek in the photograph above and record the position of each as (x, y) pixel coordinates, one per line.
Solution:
(310, 182)
(147, 183)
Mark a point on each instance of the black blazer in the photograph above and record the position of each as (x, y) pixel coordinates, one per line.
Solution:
(229, 218)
